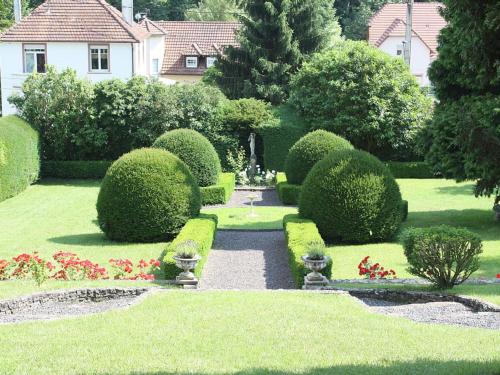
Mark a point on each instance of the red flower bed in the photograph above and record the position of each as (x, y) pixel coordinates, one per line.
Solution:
(374, 271)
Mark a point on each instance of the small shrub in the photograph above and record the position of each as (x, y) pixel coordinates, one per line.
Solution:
(352, 197)
(308, 151)
(196, 151)
(147, 195)
(444, 255)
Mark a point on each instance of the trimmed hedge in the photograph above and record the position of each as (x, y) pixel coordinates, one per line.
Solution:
(310, 149)
(288, 194)
(299, 232)
(19, 156)
(201, 230)
(418, 169)
(279, 135)
(196, 151)
(75, 169)
(220, 193)
(352, 197)
(147, 195)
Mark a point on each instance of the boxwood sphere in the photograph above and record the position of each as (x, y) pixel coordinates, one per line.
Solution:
(147, 195)
(308, 150)
(352, 197)
(196, 151)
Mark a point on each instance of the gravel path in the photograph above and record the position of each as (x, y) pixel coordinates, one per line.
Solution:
(247, 260)
(264, 198)
(453, 313)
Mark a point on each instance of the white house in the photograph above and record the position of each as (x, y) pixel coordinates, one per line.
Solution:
(386, 31)
(90, 36)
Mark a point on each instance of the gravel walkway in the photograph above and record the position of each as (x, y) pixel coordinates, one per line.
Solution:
(264, 198)
(453, 313)
(247, 260)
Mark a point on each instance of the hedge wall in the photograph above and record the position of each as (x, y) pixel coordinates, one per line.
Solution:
(287, 193)
(19, 156)
(419, 169)
(202, 230)
(279, 135)
(75, 169)
(299, 232)
(220, 193)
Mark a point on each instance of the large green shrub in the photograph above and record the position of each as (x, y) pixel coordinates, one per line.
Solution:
(364, 95)
(19, 156)
(352, 197)
(310, 149)
(147, 195)
(444, 255)
(194, 150)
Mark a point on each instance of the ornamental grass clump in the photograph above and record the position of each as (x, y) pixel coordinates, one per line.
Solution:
(187, 250)
(315, 250)
(444, 255)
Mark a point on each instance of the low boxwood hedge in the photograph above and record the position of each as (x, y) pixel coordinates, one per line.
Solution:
(418, 169)
(201, 230)
(77, 169)
(299, 232)
(220, 193)
(19, 156)
(288, 193)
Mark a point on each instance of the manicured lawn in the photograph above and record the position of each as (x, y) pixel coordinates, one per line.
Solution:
(218, 333)
(431, 202)
(238, 218)
(61, 215)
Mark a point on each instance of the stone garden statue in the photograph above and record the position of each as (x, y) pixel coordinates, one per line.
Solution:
(253, 157)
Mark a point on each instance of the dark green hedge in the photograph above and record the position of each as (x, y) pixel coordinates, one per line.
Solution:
(75, 169)
(289, 194)
(201, 230)
(220, 193)
(19, 156)
(404, 207)
(299, 232)
(279, 135)
(418, 169)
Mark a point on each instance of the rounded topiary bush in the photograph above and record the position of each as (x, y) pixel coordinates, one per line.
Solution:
(310, 149)
(352, 197)
(196, 151)
(147, 195)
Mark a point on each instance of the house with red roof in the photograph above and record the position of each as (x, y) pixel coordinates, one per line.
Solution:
(100, 42)
(386, 31)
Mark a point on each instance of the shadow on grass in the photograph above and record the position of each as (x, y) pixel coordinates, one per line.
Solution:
(415, 367)
(74, 183)
(86, 239)
(245, 224)
(457, 190)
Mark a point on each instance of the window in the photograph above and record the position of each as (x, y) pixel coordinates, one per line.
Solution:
(191, 62)
(211, 61)
(156, 66)
(34, 58)
(99, 58)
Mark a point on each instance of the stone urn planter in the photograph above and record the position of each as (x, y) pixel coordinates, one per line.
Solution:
(315, 279)
(186, 277)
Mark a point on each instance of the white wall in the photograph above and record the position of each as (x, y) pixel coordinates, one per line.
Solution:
(420, 56)
(61, 55)
(156, 51)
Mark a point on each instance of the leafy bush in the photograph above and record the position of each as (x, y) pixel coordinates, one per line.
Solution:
(79, 169)
(19, 156)
(444, 255)
(352, 197)
(362, 94)
(201, 230)
(402, 169)
(147, 195)
(310, 149)
(194, 150)
(279, 135)
(299, 233)
(220, 193)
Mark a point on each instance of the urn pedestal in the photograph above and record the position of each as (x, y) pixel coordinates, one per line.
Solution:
(314, 279)
(186, 277)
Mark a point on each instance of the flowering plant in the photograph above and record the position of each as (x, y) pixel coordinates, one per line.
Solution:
(498, 275)
(374, 271)
(73, 268)
(123, 269)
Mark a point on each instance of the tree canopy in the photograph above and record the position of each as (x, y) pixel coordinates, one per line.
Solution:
(216, 10)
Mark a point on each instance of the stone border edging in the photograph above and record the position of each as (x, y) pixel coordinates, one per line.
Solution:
(254, 188)
(475, 304)
(415, 281)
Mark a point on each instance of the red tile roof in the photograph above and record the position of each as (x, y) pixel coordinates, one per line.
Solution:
(74, 21)
(151, 27)
(390, 21)
(194, 38)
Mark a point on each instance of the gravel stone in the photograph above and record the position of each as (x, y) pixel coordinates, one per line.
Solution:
(247, 260)
(264, 198)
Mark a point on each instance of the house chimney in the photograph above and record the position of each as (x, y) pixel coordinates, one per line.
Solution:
(17, 10)
(128, 11)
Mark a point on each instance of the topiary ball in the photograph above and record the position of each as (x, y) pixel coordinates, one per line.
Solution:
(352, 197)
(147, 195)
(308, 150)
(196, 151)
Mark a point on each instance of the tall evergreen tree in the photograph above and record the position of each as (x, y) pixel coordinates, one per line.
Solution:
(216, 10)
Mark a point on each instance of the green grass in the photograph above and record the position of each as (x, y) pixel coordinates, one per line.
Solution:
(219, 333)
(431, 202)
(61, 215)
(238, 218)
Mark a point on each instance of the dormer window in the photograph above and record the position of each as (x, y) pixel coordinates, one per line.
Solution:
(211, 61)
(35, 58)
(191, 62)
